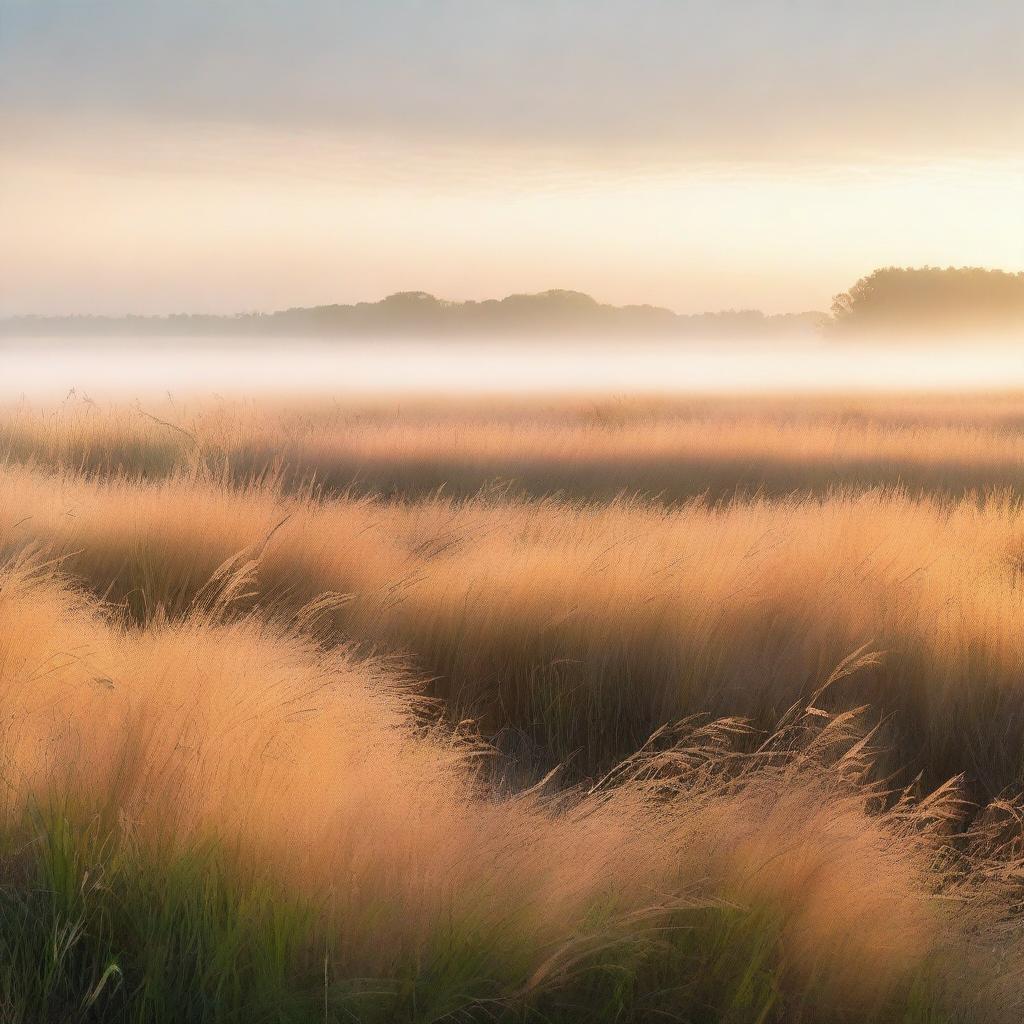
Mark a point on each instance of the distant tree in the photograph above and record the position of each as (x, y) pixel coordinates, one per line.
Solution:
(932, 299)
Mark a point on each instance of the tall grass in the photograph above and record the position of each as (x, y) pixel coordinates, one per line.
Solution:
(584, 449)
(576, 630)
(277, 719)
(216, 819)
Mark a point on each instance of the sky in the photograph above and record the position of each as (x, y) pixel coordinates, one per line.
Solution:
(220, 155)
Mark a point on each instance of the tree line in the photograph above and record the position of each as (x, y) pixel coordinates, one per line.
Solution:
(897, 300)
(546, 313)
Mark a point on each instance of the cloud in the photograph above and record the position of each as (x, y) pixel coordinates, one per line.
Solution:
(708, 79)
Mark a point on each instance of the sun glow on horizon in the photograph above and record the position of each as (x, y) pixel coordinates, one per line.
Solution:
(698, 155)
(308, 223)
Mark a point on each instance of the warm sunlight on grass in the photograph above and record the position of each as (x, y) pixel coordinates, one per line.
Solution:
(291, 811)
(517, 748)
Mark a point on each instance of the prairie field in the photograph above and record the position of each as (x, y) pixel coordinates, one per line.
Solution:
(629, 709)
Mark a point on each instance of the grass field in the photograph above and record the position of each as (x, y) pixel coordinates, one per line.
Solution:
(705, 710)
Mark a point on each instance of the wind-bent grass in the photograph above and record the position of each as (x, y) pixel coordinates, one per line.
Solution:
(574, 631)
(229, 795)
(215, 819)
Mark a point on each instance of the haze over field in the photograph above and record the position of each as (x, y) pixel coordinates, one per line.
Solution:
(50, 371)
(894, 329)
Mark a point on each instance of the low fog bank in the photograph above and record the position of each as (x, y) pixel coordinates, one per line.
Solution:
(115, 368)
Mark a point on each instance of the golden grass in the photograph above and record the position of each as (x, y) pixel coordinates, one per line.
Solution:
(585, 627)
(594, 448)
(318, 769)
(254, 658)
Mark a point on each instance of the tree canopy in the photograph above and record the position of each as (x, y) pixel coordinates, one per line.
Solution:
(932, 299)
